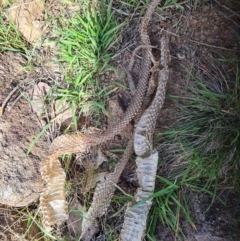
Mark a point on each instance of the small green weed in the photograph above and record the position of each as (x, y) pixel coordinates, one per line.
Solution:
(84, 47)
(201, 151)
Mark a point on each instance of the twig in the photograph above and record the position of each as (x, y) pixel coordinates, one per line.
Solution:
(224, 6)
(201, 43)
(14, 103)
(227, 17)
(6, 100)
(121, 12)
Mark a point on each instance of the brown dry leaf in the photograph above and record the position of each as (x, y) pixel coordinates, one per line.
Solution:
(27, 15)
(39, 91)
(62, 111)
(115, 110)
(60, 108)
(3, 3)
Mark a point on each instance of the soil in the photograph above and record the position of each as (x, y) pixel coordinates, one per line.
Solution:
(21, 182)
(209, 29)
(218, 221)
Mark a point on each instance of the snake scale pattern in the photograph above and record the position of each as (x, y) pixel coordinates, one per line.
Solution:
(52, 201)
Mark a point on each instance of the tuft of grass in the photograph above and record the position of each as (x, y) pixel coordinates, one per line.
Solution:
(209, 128)
(139, 6)
(84, 48)
(134, 4)
(10, 38)
(173, 3)
(200, 152)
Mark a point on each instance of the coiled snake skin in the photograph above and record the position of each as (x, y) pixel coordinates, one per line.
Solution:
(52, 200)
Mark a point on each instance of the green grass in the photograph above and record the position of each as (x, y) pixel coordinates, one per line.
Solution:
(10, 38)
(139, 7)
(174, 3)
(85, 48)
(201, 150)
(135, 5)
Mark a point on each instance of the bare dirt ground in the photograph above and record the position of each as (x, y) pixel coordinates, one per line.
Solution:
(209, 29)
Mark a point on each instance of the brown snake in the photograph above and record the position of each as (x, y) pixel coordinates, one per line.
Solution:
(51, 203)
